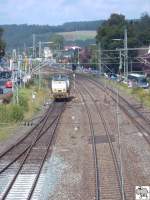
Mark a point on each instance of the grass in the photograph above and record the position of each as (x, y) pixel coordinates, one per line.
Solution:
(6, 131)
(34, 106)
(78, 35)
(29, 110)
(141, 95)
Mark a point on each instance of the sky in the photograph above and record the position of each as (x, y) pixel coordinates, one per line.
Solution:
(56, 12)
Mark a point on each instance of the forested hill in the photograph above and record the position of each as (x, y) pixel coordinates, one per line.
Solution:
(16, 36)
(82, 26)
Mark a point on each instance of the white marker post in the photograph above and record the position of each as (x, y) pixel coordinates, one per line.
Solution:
(33, 96)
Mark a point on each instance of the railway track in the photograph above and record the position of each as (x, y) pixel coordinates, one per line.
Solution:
(31, 133)
(108, 177)
(23, 166)
(141, 122)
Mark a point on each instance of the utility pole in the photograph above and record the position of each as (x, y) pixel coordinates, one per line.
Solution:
(14, 55)
(13, 87)
(99, 58)
(19, 71)
(74, 81)
(25, 49)
(131, 65)
(39, 72)
(125, 53)
(34, 46)
(78, 57)
(120, 149)
(120, 61)
(40, 46)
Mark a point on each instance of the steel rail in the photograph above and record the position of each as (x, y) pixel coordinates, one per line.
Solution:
(45, 155)
(116, 164)
(50, 109)
(24, 160)
(139, 126)
(97, 179)
(129, 105)
(101, 86)
(27, 148)
(44, 120)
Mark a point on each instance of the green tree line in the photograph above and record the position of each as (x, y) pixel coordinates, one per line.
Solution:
(2, 43)
(113, 28)
(16, 36)
(138, 35)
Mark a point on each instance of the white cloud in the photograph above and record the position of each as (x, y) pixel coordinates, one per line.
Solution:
(59, 11)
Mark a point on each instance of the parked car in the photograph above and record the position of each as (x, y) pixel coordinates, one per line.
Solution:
(113, 76)
(5, 86)
(138, 80)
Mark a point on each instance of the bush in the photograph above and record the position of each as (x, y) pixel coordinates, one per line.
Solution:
(3, 113)
(23, 102)
(29, 83)
(16, 113)
(11, 113)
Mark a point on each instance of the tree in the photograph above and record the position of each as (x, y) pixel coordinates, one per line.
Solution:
(85, 57)
(2, 44)
(58, 41)
(116, 19)
(111, 29)
(143, 29)
(137, 30)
